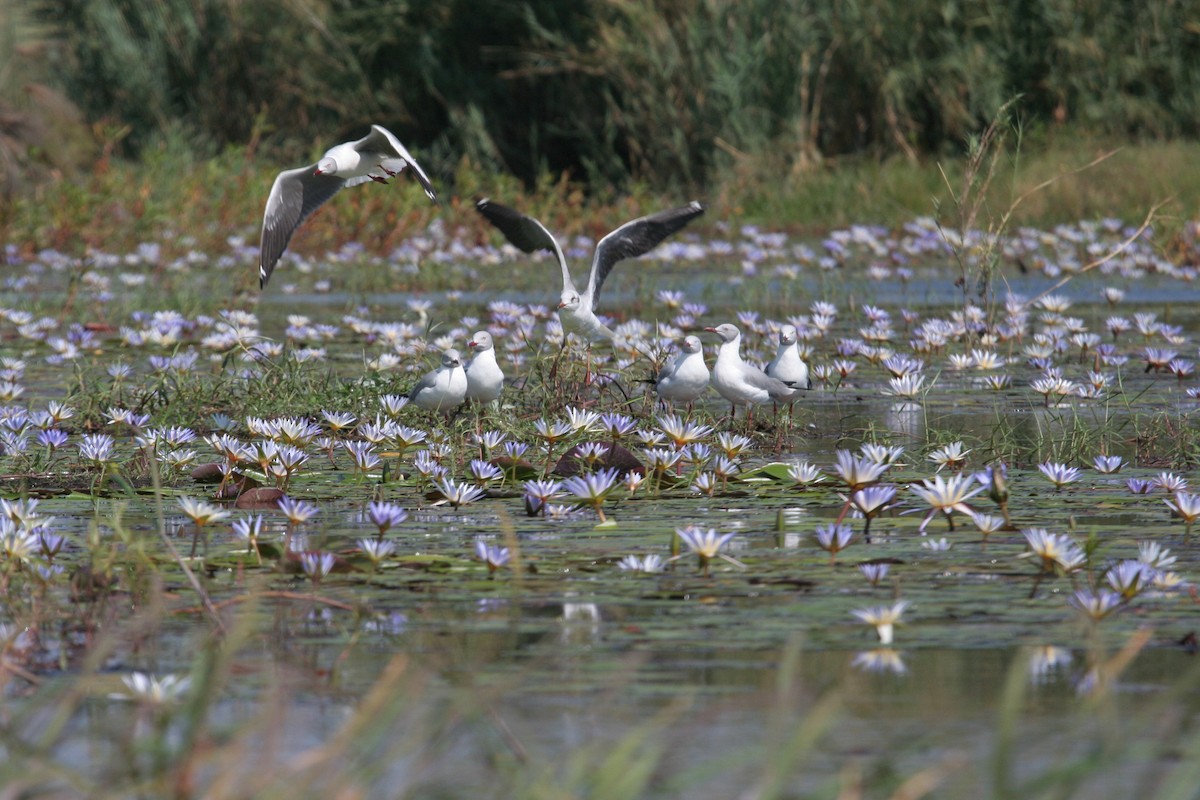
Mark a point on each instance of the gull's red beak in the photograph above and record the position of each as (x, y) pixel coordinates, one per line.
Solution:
(711, 330)
(471, 344)
(317, 171)
(562, 305)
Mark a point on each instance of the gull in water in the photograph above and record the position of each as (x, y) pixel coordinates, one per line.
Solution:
(788, 366)
(738, 382)
(577, 309)
(484, 378)
(299, 192)
(442, 389)
(686, 377)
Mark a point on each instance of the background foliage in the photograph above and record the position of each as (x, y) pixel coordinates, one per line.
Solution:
(663, 92)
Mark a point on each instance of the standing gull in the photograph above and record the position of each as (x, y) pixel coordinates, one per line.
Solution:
(442, 389)
(299, 192)
(484, 378)
(686, 377)
(738, 382)
(576, 310)
(788, 365)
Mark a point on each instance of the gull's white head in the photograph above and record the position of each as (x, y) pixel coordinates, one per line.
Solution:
(787, 335)
(451, 359)
(691, 344)
(326, 166)
(482, 340)
(570, 300)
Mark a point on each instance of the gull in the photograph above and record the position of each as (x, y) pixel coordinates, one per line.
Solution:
(484, 378)
(686, 377)
(576, 309)
(738, 382)
(442, 389)
(788, 366)
(299, 192)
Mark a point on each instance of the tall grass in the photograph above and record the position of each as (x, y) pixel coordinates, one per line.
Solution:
(667, 92)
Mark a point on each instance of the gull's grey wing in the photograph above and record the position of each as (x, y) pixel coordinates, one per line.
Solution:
(427, 382)
(777, 389)
(381, 140)
(524, 233)
(295, 195)
(636, 238)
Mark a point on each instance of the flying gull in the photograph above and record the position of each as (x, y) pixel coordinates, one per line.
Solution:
(632, 239)
(299, 192)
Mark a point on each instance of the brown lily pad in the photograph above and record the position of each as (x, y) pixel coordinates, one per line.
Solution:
(262, 497)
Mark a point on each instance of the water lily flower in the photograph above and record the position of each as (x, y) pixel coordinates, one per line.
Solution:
(907, 387)
(649, 437)
(297, 511)
(871, 501)
(1108, 465)
(649, 564)
(592, 489)
(882, 454)
(97, 448)
(515, 450)
(803, 473)
(249, 528)
(591, 453)
(337, 421)
(883, 659)
(362, 456)
(1059, 474)
(706, 544)
(316, 565)
(874, 573)
(456, 493)
(484, 472)
(1129, 577)
(732, 444)
(682, 432)
(834, 538)
(540, 492)
(376, 549)
(1051, 386)
(1058, 552)
(581, 419)
(705, 483)
(427, 466)
(494, 556)
(385, 516)
(946, 496)
(1139, 486)
(952, 455)
(1155, 555)
(1186, 507)
(156, 691)
(200, 512)
(1095, 605)
(857, 472)
(883, 618)
(1169, 481)
(52, 439)
(617, 425)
